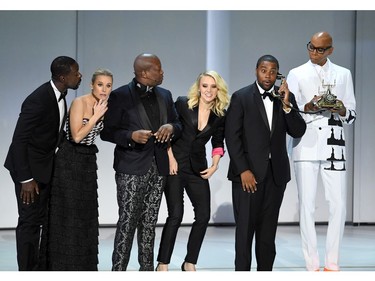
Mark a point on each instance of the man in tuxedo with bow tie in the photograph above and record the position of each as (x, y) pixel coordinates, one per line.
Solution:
(31, 155)
(255, 132)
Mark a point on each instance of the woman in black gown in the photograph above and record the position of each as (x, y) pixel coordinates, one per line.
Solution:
(71, 239)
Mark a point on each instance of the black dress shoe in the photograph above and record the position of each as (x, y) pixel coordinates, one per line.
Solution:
(183, 266)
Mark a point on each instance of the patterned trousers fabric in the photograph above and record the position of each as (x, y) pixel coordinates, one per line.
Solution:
(139, 199)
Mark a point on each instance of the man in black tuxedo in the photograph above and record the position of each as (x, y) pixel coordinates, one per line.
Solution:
(31, 155)
(141, 120)
(255, 133)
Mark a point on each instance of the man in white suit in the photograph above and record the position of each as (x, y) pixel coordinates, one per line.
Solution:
(321, 151)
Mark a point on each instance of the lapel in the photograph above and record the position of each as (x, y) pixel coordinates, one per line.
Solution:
(260, 105)
(276, 111)
(211, 120)
(162, 107)
(193, 114)
(65, 113)
(143, 118)
(193, 117)
(54, 104)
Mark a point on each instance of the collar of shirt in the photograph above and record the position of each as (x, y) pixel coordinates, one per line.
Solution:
(268, 104)
(324, 73)
(144, 91)
(318, 67)
(261, 90)
(142, 88)
(60, 104)
(57, 92)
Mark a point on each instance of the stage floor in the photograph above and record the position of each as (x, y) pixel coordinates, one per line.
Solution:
(217, 253)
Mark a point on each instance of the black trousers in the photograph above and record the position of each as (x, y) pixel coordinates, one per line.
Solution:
(256, 213)
(198, 191)
(31, 219)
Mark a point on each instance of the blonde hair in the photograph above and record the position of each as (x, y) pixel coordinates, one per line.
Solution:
(222, 99)
(101, 71)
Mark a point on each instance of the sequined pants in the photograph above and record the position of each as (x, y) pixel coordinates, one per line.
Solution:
(138, 198)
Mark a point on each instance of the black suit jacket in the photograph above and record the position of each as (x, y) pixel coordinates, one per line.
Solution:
(250, 141)
(126, 114)
(190, 149)
(36, 136)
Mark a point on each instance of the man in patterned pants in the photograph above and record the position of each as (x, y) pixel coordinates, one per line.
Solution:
(141, 120)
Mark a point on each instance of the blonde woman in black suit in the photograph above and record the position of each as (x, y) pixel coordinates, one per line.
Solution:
(202, 114)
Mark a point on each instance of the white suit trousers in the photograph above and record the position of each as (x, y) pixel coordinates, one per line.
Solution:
(334, 183)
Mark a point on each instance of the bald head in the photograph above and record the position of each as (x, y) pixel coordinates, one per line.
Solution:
(323, 37)
(320, 47)
(147, 69)
(144, 62)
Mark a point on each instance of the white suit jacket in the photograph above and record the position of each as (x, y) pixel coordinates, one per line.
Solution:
(324, 138)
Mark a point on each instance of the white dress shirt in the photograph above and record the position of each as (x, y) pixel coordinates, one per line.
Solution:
(268, 105)
(59, 103)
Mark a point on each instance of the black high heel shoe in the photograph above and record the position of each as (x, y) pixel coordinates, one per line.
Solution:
(183, 266)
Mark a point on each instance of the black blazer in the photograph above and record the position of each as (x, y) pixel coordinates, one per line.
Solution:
(190, 150)
(126, 114)
(36, 136)
(250, 141)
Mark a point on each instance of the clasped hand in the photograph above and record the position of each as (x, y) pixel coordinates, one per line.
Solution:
(164, 134)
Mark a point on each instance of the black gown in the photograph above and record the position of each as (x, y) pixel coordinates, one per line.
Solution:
(71, 237)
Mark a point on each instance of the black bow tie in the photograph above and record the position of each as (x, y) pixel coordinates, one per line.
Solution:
(143, 88)
(267, 94)
(62, 96)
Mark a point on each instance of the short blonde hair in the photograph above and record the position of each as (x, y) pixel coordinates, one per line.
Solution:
(101, 71)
